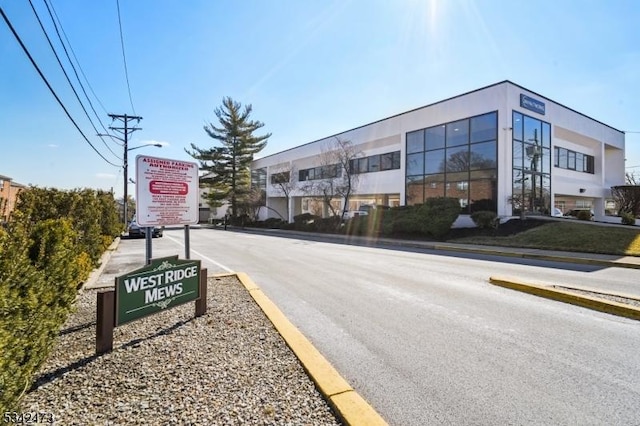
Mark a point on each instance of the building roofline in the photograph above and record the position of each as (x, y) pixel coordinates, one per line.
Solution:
(439, 102)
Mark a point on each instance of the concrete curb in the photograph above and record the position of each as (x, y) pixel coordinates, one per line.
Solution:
(347, 403)
(606, 306)
(104, 259)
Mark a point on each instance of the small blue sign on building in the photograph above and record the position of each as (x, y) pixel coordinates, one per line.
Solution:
(531, 104)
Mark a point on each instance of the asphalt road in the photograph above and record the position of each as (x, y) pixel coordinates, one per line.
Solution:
(426, 339)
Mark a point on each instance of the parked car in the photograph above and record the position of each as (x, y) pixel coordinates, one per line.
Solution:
(557, 212)
(350, 214)
(573, 213)
(137, 231)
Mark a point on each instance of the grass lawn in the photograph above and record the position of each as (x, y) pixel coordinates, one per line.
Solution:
(568, 236)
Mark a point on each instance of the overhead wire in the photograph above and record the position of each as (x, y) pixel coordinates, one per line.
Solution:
(73, 53)
(46, 82)
(55, 53)
(124, 58)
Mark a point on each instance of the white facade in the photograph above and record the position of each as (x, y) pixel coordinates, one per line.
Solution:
(574, 167)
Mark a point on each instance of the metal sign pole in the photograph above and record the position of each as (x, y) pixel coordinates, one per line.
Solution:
(187, 249)
(148, 237)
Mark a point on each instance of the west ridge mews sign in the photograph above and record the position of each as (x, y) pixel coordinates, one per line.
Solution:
(165, 283)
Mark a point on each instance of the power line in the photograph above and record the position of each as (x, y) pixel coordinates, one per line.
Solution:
(78, 62)
(73, 53)
(44, 79)
(66, 75)
(124, 59)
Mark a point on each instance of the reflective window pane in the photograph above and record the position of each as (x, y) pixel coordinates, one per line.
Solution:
(571, 160)
(386, 161)
(434, 137)
(532, 130)
(532, 157)
(546, 135)
(415, 164)
(434, 185)
(415, 190)
(483, 192)
(434, 161)
(374, 163)
(483, 155)
(518, 155)
(457, 159)
(363, 165)
(415, 141)
(579, 162)
(563, 159)
(484, 127)
(546, 160)
(458, 133)
(395, 160)
(517, 126)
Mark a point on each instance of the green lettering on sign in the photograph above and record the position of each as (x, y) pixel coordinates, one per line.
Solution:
(165, 283)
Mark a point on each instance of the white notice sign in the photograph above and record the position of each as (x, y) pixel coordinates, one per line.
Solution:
(166, 191)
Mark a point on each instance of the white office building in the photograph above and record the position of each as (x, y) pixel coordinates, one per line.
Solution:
(501, 147)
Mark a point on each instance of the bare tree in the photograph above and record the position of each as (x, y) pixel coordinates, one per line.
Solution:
(284, 179)
(627, 199)
(336, 177)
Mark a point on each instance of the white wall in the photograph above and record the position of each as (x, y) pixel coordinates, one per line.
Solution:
(570, 130)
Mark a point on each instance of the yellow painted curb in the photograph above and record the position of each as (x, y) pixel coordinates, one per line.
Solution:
(607, 306)
(348, 404)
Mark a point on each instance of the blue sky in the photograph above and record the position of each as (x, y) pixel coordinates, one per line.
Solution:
(310, 69)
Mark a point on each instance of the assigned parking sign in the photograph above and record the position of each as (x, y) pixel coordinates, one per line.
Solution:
(167, 191)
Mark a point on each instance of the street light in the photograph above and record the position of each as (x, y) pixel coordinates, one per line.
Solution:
(126, 169)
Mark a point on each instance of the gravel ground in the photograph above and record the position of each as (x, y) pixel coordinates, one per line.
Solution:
(228, 367)
(612, 297)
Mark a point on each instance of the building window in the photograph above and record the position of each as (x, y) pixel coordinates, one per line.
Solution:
(259, 178)
(454, 159)
(571, 160)
(322, 172)
(531, 173)
(376, 163)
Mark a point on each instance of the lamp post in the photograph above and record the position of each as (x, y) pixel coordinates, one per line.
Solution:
(126, 170)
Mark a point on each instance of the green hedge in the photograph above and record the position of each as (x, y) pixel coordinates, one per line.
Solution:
(434, 218)
(485, 219)
(52, 242)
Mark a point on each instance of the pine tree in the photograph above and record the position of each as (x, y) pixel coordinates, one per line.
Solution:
(227, 167)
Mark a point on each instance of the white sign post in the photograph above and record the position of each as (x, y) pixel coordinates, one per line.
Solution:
(167, 193)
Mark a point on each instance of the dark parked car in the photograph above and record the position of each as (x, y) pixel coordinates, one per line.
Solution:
(136, 230)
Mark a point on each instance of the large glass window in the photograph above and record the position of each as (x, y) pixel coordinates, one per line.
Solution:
(415, 164)
(415, 189)
(457, 159)
(415, 141)
(483, 128)
(434, 137)
(434, 161)
(456, 156)
(531, 185)
(483, 156)
(458, 133)
(517, 126)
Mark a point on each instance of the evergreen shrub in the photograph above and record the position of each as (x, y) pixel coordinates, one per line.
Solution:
(485, 219)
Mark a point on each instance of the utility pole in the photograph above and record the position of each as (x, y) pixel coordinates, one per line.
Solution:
(125, 132)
